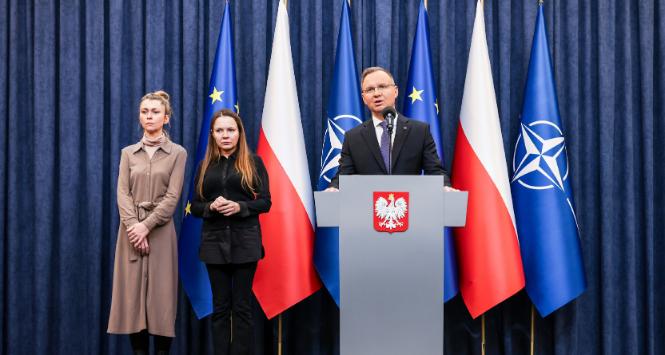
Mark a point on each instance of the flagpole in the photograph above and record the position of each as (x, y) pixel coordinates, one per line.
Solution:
(482, 328)
(279, 317)
(533, 329)
(425, 4)
(279, 334)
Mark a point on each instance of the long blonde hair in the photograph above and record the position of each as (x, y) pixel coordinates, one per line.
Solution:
(244, 164)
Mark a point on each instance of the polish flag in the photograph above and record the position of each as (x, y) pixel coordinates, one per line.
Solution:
(487, 247)
(286, 275)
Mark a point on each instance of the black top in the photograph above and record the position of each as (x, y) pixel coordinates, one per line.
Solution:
(236, 238)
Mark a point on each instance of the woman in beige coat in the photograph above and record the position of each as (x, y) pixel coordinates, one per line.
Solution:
(145, 275)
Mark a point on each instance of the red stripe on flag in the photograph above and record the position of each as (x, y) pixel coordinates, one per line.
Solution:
(286, 275)
(487, 247)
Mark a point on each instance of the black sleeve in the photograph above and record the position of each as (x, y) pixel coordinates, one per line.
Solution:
(431, 163)
(262, 202)
(200, 206)
(346, 166)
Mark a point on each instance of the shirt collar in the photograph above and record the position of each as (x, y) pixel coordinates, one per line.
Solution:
(377, 121)
(231, 157)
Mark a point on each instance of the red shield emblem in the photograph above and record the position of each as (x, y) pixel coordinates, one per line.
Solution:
(391, 211)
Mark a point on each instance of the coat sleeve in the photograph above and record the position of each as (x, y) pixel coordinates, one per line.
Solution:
(262, 202)
(126, 208)
(164, 210)
(431, 163)
(346, 166)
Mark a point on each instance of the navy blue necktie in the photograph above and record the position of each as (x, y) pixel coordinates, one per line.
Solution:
(385, 145)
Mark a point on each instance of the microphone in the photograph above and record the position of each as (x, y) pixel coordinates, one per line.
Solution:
(389, 114)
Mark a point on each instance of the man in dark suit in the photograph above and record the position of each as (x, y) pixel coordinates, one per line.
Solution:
(365, 148)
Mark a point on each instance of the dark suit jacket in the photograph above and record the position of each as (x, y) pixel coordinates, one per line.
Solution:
(414, 151)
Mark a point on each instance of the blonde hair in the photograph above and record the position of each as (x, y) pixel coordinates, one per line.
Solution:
(244, 164)
(161, 96)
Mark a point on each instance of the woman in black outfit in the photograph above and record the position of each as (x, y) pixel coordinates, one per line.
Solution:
(231, 191)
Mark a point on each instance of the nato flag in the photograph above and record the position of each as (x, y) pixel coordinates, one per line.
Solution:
(222, 94)
(421, 103)
(344, 112)
(542, 193)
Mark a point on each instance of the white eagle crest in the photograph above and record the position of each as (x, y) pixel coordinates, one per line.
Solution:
(390, 212)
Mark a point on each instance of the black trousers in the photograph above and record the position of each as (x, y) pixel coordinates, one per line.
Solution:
(231, 294)
(140, 343)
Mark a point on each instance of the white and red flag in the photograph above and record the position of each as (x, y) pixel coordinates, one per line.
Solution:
(286, 275)
(490, 266)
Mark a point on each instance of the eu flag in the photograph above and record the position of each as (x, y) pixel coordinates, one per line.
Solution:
(421, 103)
(222, 94)
(541, 188)
(344, 112)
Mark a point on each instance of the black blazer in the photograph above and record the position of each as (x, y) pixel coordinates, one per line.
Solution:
(235, 239)
(414, 151)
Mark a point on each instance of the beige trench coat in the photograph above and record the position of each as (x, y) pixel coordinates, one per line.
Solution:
(145, 288)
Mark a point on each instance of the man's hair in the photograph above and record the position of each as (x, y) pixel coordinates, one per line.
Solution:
(371, 70)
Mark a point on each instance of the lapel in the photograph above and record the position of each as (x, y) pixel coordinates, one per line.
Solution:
(369, 135)
(403, 129)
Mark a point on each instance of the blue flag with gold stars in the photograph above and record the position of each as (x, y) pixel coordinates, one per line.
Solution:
(421, 103)
(345, 111)
(542, 192)
(222, 94)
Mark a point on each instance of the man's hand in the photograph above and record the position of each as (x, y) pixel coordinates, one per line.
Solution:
(331, 189)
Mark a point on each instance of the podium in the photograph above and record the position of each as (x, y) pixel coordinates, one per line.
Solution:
(391, 284)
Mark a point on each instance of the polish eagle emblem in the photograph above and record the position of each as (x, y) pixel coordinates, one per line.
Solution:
(391, 211)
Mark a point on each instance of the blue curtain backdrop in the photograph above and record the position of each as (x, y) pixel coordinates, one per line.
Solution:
(72, 72)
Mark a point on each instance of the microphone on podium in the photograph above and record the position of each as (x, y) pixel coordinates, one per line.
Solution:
(389, 114)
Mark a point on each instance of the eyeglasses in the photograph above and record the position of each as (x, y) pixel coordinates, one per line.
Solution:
(381, 88)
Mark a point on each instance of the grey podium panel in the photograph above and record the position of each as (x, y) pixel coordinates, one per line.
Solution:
(391, 284)
(327, 208)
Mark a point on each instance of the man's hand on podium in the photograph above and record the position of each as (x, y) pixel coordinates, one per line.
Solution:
(331, 189)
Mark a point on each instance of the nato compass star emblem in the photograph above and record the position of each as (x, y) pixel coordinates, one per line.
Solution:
(540, 161)
(332, 143)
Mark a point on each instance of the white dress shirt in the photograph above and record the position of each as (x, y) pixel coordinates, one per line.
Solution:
(379, 129)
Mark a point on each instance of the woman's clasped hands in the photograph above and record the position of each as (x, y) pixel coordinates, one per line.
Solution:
(224, 206)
